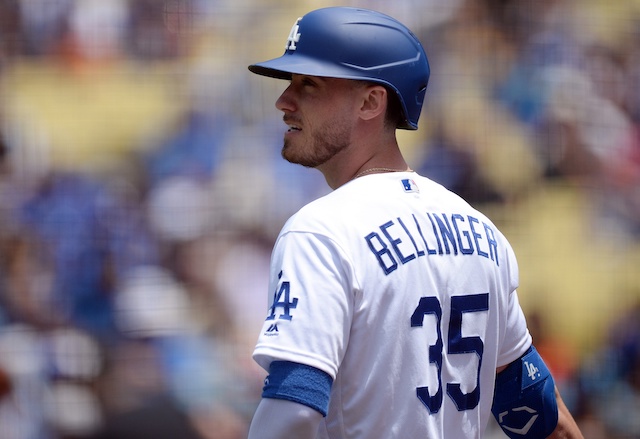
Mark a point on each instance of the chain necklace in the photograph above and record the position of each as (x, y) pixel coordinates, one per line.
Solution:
(374, 170)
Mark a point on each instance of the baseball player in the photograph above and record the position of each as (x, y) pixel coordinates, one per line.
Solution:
(394, 311)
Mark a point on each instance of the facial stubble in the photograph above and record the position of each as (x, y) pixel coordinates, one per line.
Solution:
(328, 141)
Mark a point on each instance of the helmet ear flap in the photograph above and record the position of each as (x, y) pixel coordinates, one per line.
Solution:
(359, 44)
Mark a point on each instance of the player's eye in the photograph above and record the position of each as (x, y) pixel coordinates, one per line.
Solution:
(307, 81)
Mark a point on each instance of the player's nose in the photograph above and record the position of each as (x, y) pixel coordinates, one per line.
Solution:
(285, 102)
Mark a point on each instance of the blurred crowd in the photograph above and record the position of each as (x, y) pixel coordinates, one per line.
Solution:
(141, 189)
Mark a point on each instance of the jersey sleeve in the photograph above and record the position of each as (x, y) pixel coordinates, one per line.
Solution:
(311, 306)
(517, 338)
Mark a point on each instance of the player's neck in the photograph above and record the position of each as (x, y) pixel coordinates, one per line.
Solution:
(363, 161)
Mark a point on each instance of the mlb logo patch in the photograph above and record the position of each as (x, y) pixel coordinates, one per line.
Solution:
(410, 185)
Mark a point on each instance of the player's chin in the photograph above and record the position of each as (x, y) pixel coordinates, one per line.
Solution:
(295, 154)
(289, 152)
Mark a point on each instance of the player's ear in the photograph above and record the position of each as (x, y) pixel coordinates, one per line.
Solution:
(374, 101)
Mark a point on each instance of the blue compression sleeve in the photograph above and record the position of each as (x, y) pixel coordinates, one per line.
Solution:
(524, 403)
(298, 383)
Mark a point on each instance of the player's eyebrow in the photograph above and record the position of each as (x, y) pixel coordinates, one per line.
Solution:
(309, 77)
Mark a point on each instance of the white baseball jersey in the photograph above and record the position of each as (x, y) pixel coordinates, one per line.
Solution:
(406, 296)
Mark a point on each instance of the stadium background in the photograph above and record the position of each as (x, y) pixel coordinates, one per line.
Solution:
(141, 189)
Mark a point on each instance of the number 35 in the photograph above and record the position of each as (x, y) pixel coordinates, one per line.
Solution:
(456, 344)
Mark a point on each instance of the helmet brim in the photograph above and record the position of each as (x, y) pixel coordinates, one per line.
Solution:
(286, 65)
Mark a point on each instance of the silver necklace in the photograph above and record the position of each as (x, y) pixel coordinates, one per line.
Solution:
(373, 170)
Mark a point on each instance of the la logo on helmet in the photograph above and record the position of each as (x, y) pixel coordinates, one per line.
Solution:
(294, 36)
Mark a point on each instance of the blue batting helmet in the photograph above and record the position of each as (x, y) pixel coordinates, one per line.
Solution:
(351, 43)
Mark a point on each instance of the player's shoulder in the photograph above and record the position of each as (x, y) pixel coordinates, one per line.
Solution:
(320, 215)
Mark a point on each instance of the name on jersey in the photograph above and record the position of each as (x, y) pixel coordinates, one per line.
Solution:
(402, 240)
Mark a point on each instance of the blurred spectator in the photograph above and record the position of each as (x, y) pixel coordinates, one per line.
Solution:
(23, 356)
(558, 354)
(10, 31)
(194, 150)
(458, 170)
(139, 402)
(5, 384)
(98, 28)
(158, 418)
(86, 238)
(44, 25)
(610, 381)
(148, 38)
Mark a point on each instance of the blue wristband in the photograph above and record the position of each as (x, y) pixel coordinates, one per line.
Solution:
(299, 383)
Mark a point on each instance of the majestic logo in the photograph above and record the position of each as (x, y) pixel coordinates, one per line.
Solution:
(410, 185)
(272, 329)
(294, 36)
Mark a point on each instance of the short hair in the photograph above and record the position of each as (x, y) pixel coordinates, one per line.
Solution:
(394, 116)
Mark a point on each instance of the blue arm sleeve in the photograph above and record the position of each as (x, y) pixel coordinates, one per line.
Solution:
(298, 383)
(524, 403)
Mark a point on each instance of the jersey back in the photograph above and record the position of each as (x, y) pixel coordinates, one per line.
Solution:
(406, 296)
